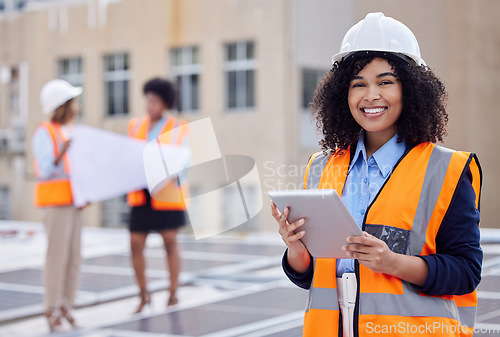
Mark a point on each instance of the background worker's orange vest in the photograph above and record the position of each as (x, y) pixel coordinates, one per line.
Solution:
(173, 194)
(56, 190)
(412, 203)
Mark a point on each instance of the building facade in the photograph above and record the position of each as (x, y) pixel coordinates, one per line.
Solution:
(250, 65)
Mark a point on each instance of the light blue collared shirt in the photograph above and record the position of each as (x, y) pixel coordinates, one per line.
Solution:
(156, 129)
(43, 150)
(364, 180)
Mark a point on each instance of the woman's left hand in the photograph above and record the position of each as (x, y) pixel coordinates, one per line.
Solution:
(84, 206)
(371, 252)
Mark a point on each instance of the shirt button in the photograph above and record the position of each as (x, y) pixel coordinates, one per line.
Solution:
(365, 181)
(371, 161)
(362, 212)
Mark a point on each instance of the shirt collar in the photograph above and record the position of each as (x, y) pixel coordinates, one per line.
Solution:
(360, 151)
(385, 157)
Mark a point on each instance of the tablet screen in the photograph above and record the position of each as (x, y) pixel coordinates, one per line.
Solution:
(327, 220)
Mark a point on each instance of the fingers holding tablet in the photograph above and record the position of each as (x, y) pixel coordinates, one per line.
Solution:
(288, 232)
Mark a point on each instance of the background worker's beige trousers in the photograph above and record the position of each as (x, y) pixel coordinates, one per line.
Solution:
(63, 227)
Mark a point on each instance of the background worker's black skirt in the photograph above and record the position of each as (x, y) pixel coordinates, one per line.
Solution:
(146, 219)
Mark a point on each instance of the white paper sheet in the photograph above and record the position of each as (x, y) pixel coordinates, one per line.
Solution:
(106, 165)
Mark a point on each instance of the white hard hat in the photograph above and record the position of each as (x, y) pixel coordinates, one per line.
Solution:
(55, 93)
(376, 32)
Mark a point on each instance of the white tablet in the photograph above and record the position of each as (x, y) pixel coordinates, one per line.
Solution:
(327, 220)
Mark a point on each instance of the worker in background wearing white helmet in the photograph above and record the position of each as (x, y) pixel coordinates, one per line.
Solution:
(62, 220)
(415, 269)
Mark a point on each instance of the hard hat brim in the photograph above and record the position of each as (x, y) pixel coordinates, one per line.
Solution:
(417, 59)
(74, 92)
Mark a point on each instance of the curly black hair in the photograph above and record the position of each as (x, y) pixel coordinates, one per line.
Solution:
(423, 117)
(164, 89)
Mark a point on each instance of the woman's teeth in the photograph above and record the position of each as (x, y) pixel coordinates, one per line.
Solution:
(373, 110)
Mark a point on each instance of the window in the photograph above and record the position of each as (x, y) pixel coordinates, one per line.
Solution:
(16, 107)
(4, 203)
(20, 4)
(116, 82)
(308, 134)
(185, 67)
(240, 67)
(14, 90)
(310, 80)
(71, 70)
(16, 5)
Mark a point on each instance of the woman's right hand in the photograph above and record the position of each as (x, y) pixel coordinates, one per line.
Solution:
(65, 148)
(298, 256)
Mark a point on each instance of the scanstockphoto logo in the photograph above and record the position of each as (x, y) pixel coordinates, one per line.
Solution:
(429, 328)
(192, 150)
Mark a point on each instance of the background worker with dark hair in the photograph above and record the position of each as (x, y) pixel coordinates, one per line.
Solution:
(149, 215)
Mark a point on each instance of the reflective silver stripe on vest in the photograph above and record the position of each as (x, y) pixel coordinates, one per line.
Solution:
(320, 298)
(467, 316)
(62, 176)
(323, 298)
(433, 182)
(410, 304)
(316, 169)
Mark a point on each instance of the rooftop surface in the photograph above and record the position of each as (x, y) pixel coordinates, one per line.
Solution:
(231, 286)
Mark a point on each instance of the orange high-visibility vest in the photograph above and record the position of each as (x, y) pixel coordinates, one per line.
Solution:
(414, 200)
(173, 194)
(56, 190)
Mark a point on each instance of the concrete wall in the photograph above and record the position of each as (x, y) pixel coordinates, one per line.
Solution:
(459, 39)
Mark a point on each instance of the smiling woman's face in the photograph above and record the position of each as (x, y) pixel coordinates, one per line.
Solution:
(376, 99)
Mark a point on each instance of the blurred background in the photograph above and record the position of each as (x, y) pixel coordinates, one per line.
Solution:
(250, 65)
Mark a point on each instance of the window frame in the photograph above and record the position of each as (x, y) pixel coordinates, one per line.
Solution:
(76, 76)
(121, 75)
(182, 74)
(319, 75)
(5, 194)
(241, 66)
